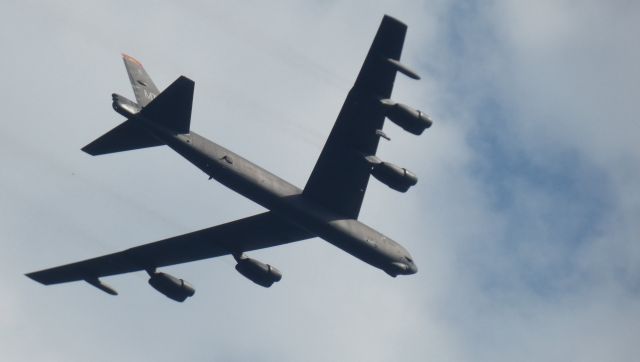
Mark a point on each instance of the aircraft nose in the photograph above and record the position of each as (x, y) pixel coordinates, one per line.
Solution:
(411, 267)
(404, 268)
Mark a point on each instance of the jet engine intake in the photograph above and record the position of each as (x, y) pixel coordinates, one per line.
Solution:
(260, 273)
(409, 119)
(170, 286)
(124, 106)
(396, 177)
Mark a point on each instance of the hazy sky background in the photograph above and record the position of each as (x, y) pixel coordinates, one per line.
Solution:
(524, 224)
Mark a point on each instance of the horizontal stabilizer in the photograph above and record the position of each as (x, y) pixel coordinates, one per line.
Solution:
(126, 137)
(172, 108)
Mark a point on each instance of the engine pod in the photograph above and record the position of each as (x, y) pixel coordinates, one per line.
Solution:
(409, 119)
(172, 287)
(396, 177)
(260, 273)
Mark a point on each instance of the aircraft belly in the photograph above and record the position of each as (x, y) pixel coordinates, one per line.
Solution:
(285, 199)
(350, 235)
(232, 170)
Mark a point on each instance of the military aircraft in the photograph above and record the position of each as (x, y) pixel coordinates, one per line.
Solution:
(327, 207)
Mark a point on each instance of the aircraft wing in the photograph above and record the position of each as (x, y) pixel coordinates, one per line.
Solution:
(143, 87)
(340, 176)
(251, 233)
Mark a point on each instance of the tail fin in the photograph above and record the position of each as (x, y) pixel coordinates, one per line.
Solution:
(143, 87)
(170, 109)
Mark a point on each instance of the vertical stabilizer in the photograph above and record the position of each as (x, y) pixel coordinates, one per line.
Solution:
(170, 110)
(143, 87)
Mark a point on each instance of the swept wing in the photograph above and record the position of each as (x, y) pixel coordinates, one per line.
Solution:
(251, 233)
(340, 177)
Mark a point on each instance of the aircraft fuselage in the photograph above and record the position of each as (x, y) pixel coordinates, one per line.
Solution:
(288, 201)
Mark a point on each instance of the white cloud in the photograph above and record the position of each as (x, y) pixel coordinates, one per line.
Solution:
(523, 222)
(548, 89)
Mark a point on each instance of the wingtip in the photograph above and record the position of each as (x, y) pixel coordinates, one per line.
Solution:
(34, 276)
(391, 19)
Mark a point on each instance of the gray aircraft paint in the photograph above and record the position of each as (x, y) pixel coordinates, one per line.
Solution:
(287, 201)
(327, 207)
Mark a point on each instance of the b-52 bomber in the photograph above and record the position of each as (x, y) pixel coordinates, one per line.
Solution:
(327, 207)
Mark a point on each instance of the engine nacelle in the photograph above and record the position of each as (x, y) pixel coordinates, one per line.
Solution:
(124, 106)
(397, 178)
(409, 119)
(260, 273)
(170, 286)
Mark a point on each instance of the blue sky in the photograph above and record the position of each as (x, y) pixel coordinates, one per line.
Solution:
(523, 224)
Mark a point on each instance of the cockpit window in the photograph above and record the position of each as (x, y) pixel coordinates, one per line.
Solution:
(408, 259)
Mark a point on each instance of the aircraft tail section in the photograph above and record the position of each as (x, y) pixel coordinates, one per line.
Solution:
(172, 108)
(169, 111)
(143, 87)
(129, 135)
